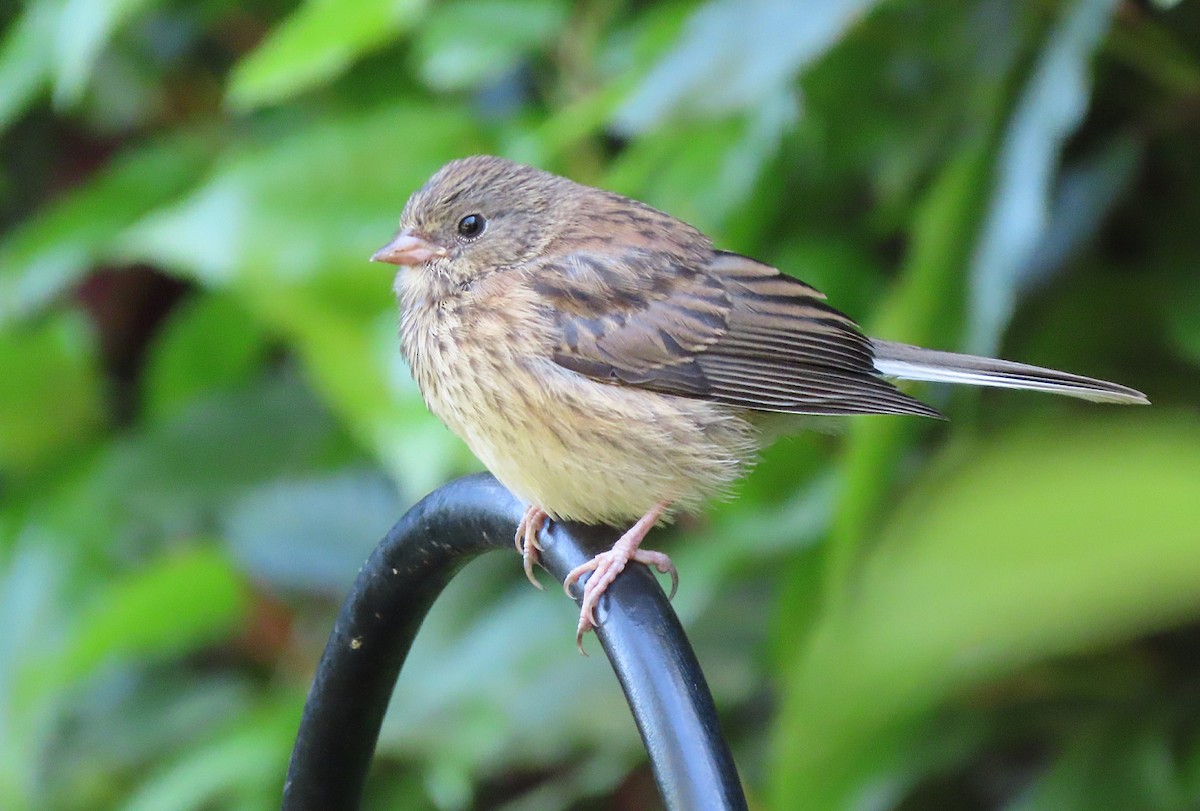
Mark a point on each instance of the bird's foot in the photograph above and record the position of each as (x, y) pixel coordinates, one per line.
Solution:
(527, 542)
(606, 566)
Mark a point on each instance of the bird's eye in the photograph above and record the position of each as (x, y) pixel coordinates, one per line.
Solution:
(471, 226)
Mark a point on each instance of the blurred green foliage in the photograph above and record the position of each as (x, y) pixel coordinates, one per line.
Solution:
(205, 424)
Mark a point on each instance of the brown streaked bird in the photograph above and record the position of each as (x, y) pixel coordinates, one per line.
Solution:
(609, 365)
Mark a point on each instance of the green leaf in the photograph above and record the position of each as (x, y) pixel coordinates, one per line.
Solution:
(292, 246)
(33, 612)
(705, 176)
(1112, 766)
(320, 200)
(1152, 49)
(1044, 542)
(356, 365)
(920, 310)
(84, 29)
(55, 248)
(311, 533)
(1051, 106)
(1085, 195)
(50, 398)
(175, 604)
(317, 43)
(240, 768)
(733, 54)
(465, 43)
(26, 57)
(1183, 318)
(176, 473)
(210, 342)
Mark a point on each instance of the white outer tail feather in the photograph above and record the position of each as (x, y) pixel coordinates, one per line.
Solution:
(915, 363)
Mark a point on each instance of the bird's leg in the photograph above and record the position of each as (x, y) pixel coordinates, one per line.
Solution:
(607, 565)
(527, 542)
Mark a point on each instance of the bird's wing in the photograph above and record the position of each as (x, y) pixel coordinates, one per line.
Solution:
(730, 329)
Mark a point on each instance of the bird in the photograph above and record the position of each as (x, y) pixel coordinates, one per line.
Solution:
(610, 365)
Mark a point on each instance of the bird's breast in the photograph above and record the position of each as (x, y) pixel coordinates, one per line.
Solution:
(468, 359)
(579, 448)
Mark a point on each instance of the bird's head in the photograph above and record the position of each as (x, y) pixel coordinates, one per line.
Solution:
(475, 215)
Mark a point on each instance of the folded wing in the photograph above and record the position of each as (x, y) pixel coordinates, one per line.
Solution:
(730, 330)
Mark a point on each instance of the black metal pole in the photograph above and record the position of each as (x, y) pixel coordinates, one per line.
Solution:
(639, 632)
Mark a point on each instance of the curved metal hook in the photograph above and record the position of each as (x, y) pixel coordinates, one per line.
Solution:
(639, 632)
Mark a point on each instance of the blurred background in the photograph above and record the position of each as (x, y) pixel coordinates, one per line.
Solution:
(205, 425)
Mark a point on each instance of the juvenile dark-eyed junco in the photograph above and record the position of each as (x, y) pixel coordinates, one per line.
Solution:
(609, 365)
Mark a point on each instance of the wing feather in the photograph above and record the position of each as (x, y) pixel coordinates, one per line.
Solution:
(727, 329)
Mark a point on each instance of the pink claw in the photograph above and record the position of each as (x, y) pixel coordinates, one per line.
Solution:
(607, 565)
(527, 542)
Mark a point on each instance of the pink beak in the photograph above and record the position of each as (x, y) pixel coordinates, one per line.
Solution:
(407, 249)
